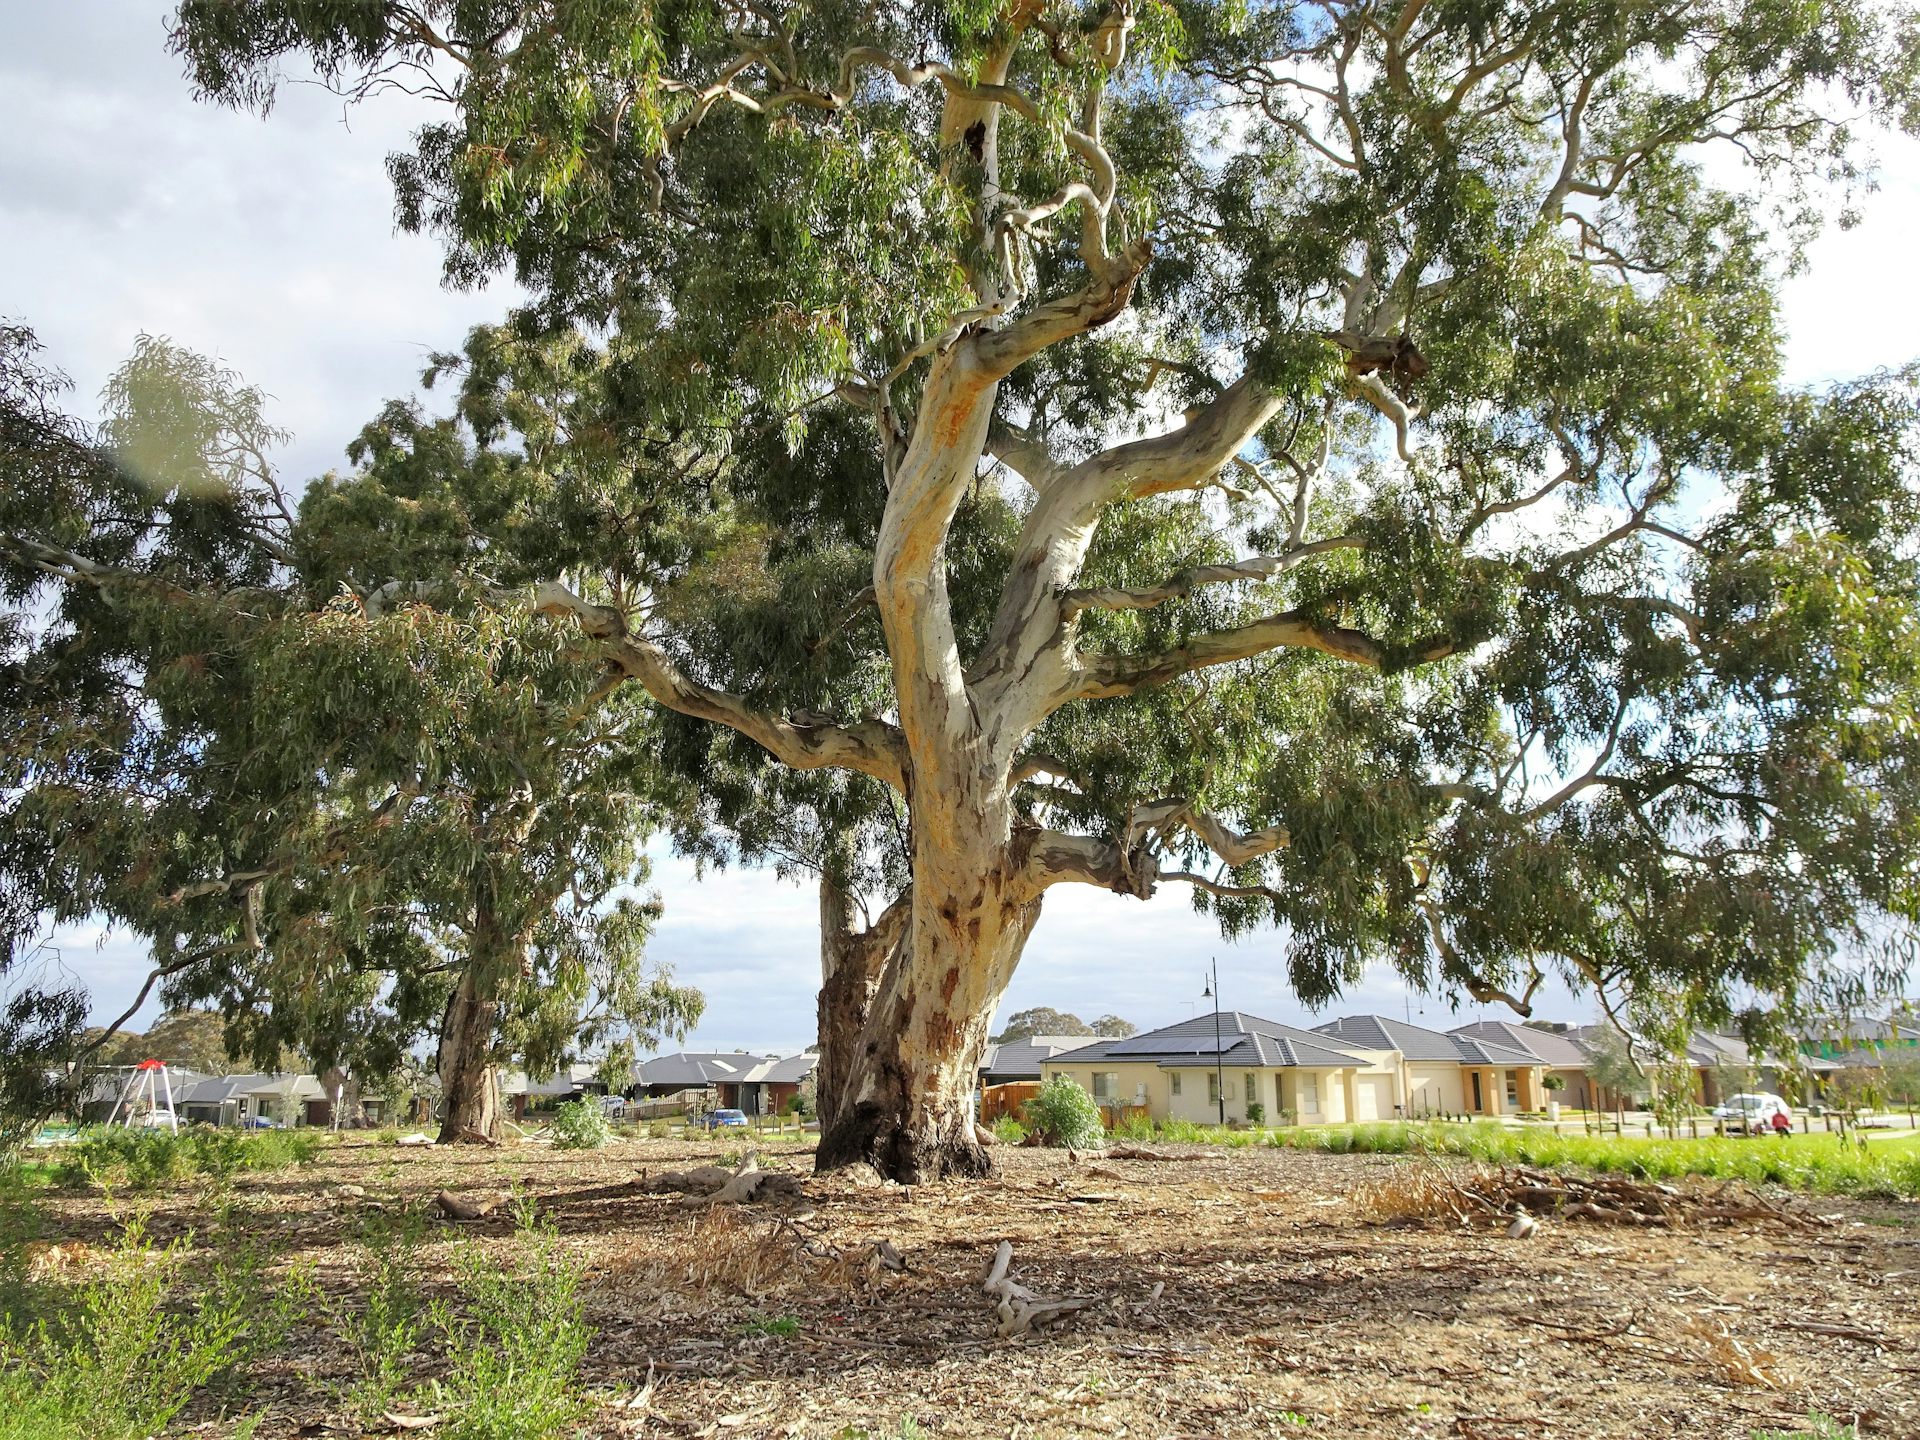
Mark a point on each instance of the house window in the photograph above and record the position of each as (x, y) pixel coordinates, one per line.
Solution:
(1106, 1084)
(1213, 1089)
(1309, 1090)
(1175, 1077)
(1252, 1092)
(1513, 1088)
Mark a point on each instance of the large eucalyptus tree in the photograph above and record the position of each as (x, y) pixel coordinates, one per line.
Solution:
(1330, 453)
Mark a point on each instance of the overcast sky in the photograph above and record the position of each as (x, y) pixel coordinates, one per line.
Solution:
(127, 207)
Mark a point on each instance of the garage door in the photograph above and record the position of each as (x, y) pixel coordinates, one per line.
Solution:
(1372, 1096)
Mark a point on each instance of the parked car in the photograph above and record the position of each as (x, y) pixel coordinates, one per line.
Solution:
(722, 1119)
(259, 1122)
(1751, 1113)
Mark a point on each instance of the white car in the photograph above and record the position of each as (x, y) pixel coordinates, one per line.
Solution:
(1752, 1113)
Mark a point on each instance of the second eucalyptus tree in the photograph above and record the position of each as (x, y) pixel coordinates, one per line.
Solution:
(1329, 453)
(348, 820)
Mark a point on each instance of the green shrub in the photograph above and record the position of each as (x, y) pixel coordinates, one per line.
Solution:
(783, 1326)
(1010, 1131)
(581, 1125)
(1256, 1113)
(384, 1330)
(1063, 1114)
(112, 1360)
(513, 1352)
(119, 1158)
(659, 1130)
(1819, 1427)
(1135, 1127)
(1185, 1132)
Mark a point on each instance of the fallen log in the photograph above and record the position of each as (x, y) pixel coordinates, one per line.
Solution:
(463, 1207)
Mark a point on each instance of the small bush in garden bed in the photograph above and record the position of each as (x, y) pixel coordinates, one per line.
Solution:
(1063, 1114)
(581, 1125)
(1010, 1131)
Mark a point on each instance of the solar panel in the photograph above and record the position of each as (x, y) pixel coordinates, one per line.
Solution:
(1178, 1045)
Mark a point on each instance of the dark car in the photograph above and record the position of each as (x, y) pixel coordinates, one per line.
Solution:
(722, 1119)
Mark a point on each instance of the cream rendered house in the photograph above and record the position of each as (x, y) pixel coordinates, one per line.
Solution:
(1180, 1072)
(1434, 1073)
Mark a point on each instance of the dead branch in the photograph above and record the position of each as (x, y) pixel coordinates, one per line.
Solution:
(1018, 1309)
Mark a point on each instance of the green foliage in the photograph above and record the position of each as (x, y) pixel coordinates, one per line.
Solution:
(115, 1360)
(1256, 1113)
(1820, 1426)
(515, 1343)
(1010, 1131)
(1063, 1115)
(116, 1157)
(581, 1125)
(1822, 1164)
(383, 1331)
(786, 1327)
(193, 1039)
(1538, 605)
(39, 1035)
(1042, 1020)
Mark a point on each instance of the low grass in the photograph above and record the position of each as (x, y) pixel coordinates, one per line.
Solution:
(1821, 1164)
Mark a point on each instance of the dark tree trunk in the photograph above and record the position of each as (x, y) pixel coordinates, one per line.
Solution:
(851, 962)
(469, 1090)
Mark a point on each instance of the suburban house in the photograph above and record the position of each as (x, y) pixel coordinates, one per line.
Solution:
(768, 1086)
(1183, 1072)
(1010, 1072)
(1724, 1065)
(218, 1099)
(1556, 1049)
(1434, 1073)
(569, 1082)
(1013, 1062)
(1861, 1041)
(695, 1071)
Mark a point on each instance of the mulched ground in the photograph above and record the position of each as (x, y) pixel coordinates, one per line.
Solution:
(1281, 1309)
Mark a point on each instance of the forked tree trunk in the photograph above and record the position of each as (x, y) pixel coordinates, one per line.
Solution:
(469, 1090)
(906, 1106)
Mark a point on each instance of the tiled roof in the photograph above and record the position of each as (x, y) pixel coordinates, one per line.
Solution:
(1243, 1040)
(792, 1070)
(1416, 1042)
(1020, 1059)
(1548, 1046)
(696, 1070)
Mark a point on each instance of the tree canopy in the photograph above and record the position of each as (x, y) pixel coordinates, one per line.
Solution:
(1331, 454)
(344, 819)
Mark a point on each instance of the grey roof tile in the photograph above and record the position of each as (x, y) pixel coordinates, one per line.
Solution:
(1416, 1042)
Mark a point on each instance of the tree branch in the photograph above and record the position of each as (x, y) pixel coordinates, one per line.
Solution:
(871, 747)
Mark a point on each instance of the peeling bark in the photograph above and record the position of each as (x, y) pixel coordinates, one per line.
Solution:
(908, 1098)
(850, 966)
(469, 1090)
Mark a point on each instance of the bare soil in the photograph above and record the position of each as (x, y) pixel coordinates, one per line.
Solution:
(1282, 1308)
